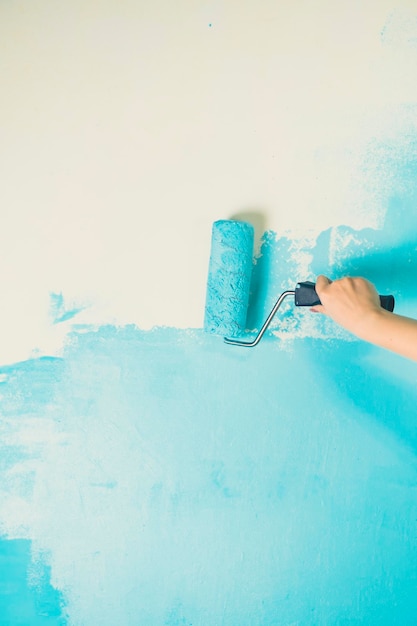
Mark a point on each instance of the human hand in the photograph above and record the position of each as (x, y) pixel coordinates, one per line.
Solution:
(350, 302)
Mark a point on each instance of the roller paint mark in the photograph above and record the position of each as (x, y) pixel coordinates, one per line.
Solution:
(26, 595)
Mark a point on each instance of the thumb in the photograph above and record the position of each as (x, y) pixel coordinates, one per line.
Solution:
(321, 283)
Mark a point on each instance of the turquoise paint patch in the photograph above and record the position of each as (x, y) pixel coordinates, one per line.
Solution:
(247, 487)
(59, 310)
(388, 257)
(23, 603)
(29, 384)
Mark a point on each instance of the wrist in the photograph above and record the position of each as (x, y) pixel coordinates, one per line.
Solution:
(369, 325)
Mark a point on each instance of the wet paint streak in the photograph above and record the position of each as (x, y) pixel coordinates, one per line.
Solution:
(59, 310)
(26, 595)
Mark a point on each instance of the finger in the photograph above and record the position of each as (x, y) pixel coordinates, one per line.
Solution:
(321, 283)
(317, 309)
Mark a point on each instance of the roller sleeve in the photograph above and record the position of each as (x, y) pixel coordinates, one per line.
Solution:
(229, 277)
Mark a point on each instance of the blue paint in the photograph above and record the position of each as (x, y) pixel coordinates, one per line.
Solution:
(211, 485)
(229, 277)
(33, 381)
(384, 256)
(273, 272)
(59, 311)
(23, 603)
(387, 257)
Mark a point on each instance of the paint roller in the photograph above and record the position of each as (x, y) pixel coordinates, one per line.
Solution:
(229, 279)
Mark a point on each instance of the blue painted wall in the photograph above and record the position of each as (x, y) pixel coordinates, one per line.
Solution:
(177, 480)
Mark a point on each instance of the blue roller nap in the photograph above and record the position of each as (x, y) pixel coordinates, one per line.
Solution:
(229, 277)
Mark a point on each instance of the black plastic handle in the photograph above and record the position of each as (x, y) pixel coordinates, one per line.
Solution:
(306, 295)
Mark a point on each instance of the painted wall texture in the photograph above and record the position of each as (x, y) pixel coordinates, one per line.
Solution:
(151, 475)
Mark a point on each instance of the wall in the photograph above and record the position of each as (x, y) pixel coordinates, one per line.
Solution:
(150, 474)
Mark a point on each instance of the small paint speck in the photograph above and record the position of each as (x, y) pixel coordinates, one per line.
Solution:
(210, 25)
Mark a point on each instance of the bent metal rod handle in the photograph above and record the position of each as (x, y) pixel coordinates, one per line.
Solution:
(306, 295)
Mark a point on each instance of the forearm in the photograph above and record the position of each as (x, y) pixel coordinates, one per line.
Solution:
(354, 304)
(391, 331)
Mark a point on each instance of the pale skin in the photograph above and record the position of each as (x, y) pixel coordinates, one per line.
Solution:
(354, 304)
